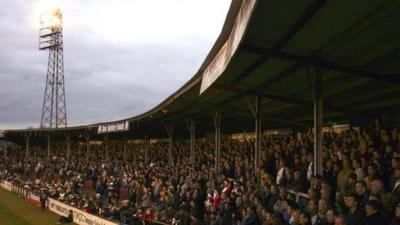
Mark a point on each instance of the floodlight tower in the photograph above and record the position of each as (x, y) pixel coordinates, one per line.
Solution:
(54, 111)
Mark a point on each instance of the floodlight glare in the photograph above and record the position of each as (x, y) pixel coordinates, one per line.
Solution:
(50, 32)
(51, 20)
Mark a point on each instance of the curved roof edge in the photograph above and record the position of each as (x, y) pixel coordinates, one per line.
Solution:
(232, 15)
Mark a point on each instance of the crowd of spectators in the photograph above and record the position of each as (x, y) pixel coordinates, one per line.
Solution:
(360, 183)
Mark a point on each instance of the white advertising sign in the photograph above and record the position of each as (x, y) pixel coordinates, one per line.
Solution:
(113, 127)
(79, 217)
(6, 185)
(59, 208)
(84, 218)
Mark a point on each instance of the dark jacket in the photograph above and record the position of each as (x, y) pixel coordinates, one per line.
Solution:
(375, 219)
(395, 221)
(356, 218)
(227, 217)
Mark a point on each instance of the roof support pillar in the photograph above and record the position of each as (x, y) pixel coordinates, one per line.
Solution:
(27, 145)
(257, 141)
(377, 124)
(170, 132)
(48, 145)
(68, 145)
(146, 149)
(5, 150)
(105, 147)
(87, 146)
(318, 120)
(125, 156)
(217, 126)
(192, 129)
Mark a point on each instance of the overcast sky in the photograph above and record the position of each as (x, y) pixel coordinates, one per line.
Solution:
(121, 57)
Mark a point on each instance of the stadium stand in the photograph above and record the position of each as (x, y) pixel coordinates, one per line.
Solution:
(302, 65)
(362, 169)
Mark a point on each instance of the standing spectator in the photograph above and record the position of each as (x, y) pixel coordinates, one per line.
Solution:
(373, 215)
(340, 220)
(312, 208)
(384, 197)
(396, 219)
(355, 215)
(330, 217)
(358, 170)
(362, 192)
(322, 209)
(43, 199)
(251, 217)
(304, 218)
(344, 174)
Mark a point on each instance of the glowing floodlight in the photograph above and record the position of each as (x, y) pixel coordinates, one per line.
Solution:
(51, 20)
(50, 32)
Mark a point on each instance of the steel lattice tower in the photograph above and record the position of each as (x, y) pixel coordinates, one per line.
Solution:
(54, 111)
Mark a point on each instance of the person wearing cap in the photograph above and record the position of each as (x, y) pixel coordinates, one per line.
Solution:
(355, 215)
(396, 219)
(373, 215)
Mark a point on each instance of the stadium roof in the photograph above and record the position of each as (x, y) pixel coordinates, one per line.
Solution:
(274, 49)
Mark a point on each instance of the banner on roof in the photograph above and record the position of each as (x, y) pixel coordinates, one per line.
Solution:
(113, 127)
(221, 60)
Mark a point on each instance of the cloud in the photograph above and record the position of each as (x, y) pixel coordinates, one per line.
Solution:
(107, 77)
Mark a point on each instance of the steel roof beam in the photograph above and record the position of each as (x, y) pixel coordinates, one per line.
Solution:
(304, 103)
(354, 70)
(243, 90)
(296, 27)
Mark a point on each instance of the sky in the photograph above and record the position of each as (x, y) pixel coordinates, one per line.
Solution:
(121, 57)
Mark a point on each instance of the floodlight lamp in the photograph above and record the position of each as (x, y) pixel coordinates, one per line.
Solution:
(51, 20)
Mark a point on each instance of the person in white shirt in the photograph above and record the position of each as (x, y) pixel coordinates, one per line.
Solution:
(281, 171)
